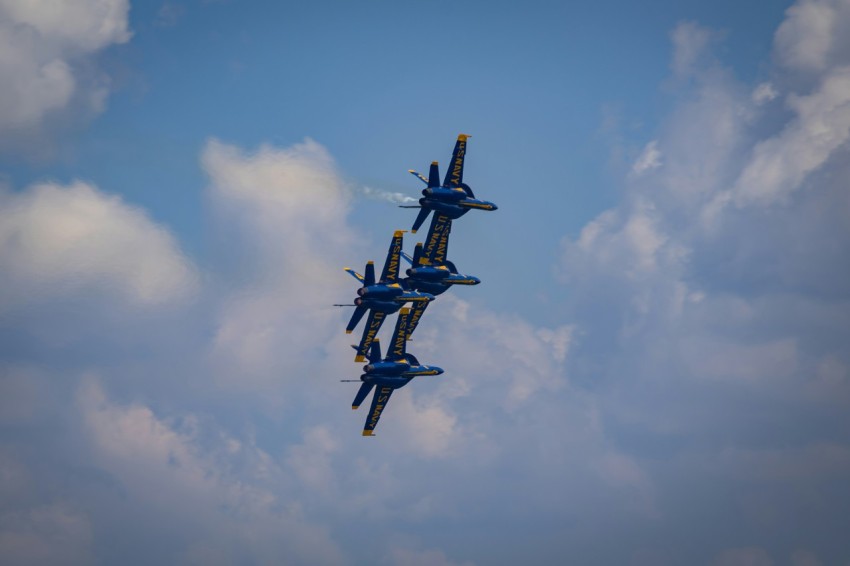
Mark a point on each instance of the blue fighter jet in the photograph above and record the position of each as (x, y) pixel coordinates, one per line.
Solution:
(391, 373)
(380, 298)
(430, 271)
(453, 198)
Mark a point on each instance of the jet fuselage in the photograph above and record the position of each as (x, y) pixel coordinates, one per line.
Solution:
(395, 373)
(454, 206)
(388, 298)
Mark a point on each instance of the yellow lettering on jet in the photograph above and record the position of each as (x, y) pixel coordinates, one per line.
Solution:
(458, 163)
(436, 236)
(370, 333)
(396, 250)
(414, 320)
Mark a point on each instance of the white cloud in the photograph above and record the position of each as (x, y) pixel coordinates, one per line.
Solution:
(650, 158)
(707, 306)
(290, 207)
(691, 43)
(60, 240)
(763, 93)
(780, 164)
(46, 54)
(809, 33)
(165, 473)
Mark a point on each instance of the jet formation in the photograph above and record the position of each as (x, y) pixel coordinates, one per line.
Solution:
(430, 274)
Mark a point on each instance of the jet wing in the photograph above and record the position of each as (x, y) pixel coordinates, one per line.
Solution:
(454, 175)
(435, 246)
(391, 265)
(379, 402)
(415, 314)
(373, 325)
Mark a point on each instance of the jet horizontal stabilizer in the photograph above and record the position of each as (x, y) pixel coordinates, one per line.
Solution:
(418, 176)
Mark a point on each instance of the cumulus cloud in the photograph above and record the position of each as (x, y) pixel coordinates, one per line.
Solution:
(702, 300)
(289, 206)
(60, 240)
(814, 35)
(51, 534)
(779, 165)
(695, 375)
(47, 62)
(164, 471)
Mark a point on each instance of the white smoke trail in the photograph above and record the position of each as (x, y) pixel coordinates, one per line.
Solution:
(378, 194)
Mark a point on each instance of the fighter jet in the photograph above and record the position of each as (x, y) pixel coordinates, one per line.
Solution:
(391, 373)
(430, 271)
(380, 298)
(453, 198)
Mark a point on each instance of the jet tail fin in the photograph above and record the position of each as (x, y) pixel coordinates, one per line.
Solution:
(434, 175)
(398, 348)
(375, 351)
(417, 254)
(391, 265)
(369, 276)
(454, 174)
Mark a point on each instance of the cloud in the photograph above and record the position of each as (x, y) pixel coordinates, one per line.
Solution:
(693, 373)
(169, 14)
(46, 535)
(763, 93)
(47, 68)
(691, 43)
(60, 241)
(164, 472)
(288, 206)
(701, 302)
(813, 36)
(650, 158)
(780, 164)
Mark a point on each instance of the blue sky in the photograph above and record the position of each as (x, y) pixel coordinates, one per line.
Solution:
(652, 371)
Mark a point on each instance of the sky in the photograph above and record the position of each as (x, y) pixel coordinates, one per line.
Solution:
(653, 371)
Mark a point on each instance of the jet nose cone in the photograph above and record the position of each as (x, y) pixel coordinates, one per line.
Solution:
(429, 296)
(494, 206)
(438, 370)
(475, 280)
